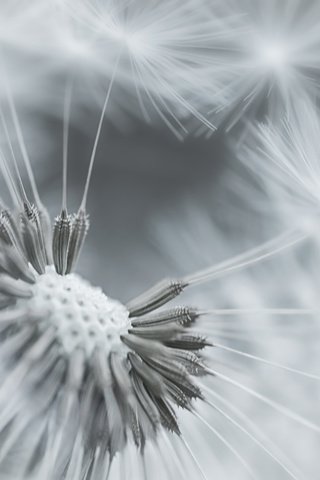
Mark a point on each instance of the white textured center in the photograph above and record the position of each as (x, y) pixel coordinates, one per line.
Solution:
(82, 314)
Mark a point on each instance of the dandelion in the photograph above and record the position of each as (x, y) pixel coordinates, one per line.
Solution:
(91, 386)
(274, 62)
(84, 376)
(165, 50)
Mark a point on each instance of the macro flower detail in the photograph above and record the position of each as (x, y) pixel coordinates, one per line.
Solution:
(89, 375)
(97, 387)
(133, 364)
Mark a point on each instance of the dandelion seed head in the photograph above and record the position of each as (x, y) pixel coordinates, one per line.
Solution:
(84, 377)
(122, 370)
(82, 315)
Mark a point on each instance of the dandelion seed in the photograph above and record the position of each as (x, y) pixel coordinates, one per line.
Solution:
(274, 61)
(277, 335)
(167, 48)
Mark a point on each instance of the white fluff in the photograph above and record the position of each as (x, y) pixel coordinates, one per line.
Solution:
(286, 161)
(274, 60)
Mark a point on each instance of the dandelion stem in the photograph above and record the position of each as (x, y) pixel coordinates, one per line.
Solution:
(196, 462)
(163, 292)
(175, 457)
(15, 165)
(277, 406)
(248, 258)
(22, 144)
(247, 433)
(95, 145)
(267, 362)
(259, 311)
(259, 432)
(16, 199)
(226, 443)
(66, 121)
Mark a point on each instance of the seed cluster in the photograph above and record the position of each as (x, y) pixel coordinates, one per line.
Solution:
(82, 315)
(121, 371)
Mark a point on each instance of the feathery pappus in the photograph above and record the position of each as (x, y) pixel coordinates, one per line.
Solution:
(86, 377)
(157, 55)
(285, 161)
(93, 388)
(273, 62)
(161, 51)
(282, 324)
